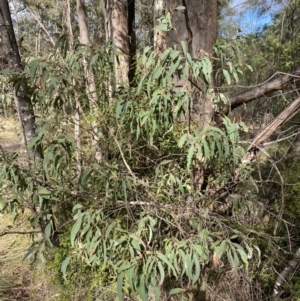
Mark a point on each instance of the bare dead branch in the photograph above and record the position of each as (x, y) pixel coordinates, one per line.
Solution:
(285, 275)
(283, 117)
(274, 84)
(19, 232)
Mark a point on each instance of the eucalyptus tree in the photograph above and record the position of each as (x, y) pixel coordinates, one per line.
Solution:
(119, 29)
(11, 51)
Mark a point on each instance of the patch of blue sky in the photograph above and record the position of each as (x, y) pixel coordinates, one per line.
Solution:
(248, 19)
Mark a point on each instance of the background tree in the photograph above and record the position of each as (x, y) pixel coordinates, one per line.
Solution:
(11, 52)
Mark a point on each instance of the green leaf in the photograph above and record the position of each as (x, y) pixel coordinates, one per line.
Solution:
(43, 191)
(182, 140)
(165, 54)
(163, 27)
(84, 178)
(207, 69)
(186, 70)
(219, 250)
(197, 270)
(190, 156)
(131, 276)
(141, 83)
(64, 266)
(207, 154)
(143, 290)
(165, 162)
(227, 76)
(75, 229)
(76, 207)
(109, 229)
(167, 262)
(48, 231)
(120, 285)
(180, 7)
(125, 266)
(161, 272)
(183, 44)
(249, 67)
(175, 291)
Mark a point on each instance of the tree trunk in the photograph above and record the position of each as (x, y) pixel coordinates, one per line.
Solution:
(132, 39)
(119, 20)
(11, 51)
(24, 106)
(89, 76)
(77, 130)
(159, 35)
(197, 26)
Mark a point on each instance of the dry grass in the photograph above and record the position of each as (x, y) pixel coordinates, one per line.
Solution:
(10, 134)
(15, 277)
(19, 279)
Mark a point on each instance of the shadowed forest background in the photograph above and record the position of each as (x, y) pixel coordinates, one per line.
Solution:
(149, 150)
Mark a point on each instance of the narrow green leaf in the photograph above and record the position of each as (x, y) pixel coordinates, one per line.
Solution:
(48, 231)
(197, 269)
(163, 27)
(182, 140)
(167, 262)
(76, 207)
(227, 76)
(183, 44)
(142, 289)
(64, 266)
(190, 156)
(75, 229)
(175, 291)
(120, 286)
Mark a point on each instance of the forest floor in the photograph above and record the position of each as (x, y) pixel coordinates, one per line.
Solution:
(10, 135)
(17, 276)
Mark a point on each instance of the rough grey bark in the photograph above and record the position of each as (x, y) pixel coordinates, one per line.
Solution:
(197, 26)
(11, 51)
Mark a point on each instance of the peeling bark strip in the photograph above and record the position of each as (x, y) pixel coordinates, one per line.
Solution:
(11, 51)
(285, 275)
(89, 76)
(272, 85)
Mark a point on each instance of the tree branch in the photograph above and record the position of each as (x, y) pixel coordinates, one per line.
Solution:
(271, 85)
(285, 275)
(19, 232)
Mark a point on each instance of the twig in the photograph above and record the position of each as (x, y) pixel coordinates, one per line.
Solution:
(19, 232)
(41, 25)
